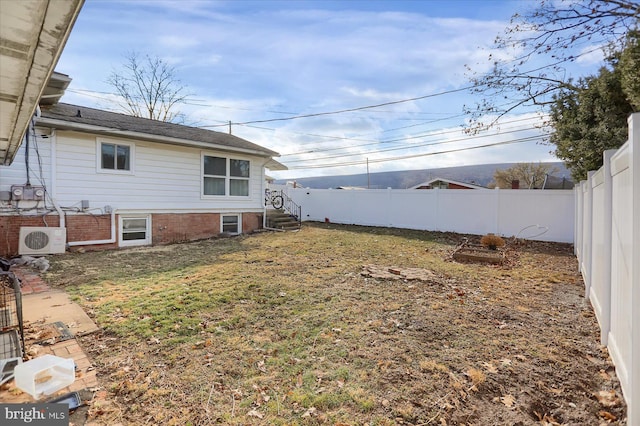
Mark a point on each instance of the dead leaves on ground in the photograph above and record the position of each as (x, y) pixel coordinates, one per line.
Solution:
(508, 400)
(607, 415)
(607, 398)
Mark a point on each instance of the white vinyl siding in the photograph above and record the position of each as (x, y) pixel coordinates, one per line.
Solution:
(39, 164)
(167, 178)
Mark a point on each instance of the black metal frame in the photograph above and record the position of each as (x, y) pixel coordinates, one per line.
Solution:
(11, 325)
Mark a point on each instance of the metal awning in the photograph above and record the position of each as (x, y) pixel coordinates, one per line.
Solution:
(275, 165)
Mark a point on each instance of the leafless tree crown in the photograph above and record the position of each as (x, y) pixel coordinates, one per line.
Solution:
(148, 88)
(539, 44)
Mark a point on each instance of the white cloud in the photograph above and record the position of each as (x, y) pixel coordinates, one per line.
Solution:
(591, 55)
(177, 42)
(248, 61)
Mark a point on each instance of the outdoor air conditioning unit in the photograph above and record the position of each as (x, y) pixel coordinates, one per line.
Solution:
(42, 240)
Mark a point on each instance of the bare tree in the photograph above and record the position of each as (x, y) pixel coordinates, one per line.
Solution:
(547, 38)
(148, 88)
(529, 175)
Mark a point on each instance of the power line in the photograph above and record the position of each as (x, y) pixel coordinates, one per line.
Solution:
(404, 157)
(430, 134)
(318, 114)
(196, 102)
(357, 138)
(404, 147)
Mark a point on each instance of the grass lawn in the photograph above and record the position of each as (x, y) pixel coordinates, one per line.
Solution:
(284, 329)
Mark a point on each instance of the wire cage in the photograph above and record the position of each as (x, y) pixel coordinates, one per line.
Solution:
(11, 325)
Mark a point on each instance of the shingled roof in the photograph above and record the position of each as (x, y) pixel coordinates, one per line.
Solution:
(74, 117)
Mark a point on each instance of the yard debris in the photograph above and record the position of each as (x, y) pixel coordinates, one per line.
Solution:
(489, 367)
(480, 254)
(607, 415)
(607, 398)
(508, 400)
(255, 413)
(310, 412)
(39, 263)
(396, 273)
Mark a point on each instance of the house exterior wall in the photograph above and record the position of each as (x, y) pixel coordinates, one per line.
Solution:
(167, 228)
(165, 182)
(164, 177)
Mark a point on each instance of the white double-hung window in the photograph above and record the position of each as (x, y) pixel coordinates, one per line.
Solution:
(231, 224)
(135, 230)
(225, 176)
(115, 156)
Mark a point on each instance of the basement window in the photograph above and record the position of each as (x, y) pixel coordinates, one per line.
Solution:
(135, 230)
(231, 224)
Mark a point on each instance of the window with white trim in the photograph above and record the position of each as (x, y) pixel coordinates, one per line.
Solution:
(225, 176)
(115, 157)
(231, 224)
(135, 230)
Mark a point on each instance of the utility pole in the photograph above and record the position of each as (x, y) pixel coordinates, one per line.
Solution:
(368, 181)
(229, 126)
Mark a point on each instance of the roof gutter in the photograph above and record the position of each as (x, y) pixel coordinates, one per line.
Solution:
(68, 125)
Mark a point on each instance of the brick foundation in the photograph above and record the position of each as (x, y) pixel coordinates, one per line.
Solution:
(10, 230)
(170, 228)
(165, 228)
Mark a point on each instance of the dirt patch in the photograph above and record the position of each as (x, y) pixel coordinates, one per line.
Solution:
(289, 328)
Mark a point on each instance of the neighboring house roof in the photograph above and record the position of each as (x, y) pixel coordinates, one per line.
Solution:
(80, 118)
(32, 35)
(429, 183)
(555, 182)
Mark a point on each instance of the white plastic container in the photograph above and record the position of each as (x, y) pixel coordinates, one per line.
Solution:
(44, 375)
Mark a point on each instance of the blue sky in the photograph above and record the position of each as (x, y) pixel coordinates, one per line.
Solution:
(250, 61)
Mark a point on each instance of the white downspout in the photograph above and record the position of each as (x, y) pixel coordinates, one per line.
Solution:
(52, 184)
(62, 220)
(96, 242)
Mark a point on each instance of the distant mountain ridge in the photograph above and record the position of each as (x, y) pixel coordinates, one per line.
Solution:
(479, 175)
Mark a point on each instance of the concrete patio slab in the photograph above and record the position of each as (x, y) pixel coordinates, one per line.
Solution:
(54, 305)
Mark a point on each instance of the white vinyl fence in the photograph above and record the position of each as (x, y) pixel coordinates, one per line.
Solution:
(536, 214)
(607, 238)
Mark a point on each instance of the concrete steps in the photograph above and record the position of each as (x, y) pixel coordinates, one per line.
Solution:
(279, 219)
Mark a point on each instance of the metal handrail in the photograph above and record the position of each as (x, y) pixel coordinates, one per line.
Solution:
(291, 207)
(278, 199)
